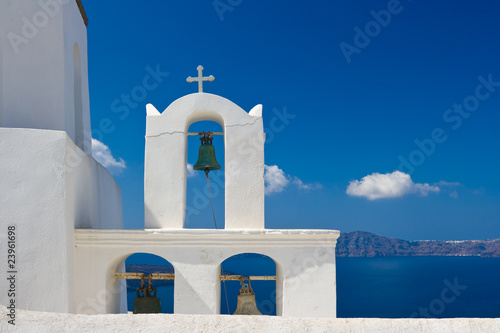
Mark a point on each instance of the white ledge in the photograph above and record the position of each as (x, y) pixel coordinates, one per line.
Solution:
(206, 237)
(41, 322)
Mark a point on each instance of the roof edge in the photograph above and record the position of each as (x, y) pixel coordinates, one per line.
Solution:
(82, 11)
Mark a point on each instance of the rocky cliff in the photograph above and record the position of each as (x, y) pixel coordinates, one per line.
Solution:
(366, 244)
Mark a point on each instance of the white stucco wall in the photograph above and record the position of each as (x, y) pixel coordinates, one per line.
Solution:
(28, 321)
(165, 161)
(305, 264)
(48, 185)
(32, 192)
(75, 33)
(92, 192)
(36, 68)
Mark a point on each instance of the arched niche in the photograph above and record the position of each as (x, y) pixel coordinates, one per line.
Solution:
(165, 161)
(249, 264)
(145, 263)
(78, 99)
(199, 197)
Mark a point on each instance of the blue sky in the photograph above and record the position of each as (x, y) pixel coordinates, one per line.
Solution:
(349, 89)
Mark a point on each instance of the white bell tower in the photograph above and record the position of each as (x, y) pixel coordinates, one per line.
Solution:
(165, 161)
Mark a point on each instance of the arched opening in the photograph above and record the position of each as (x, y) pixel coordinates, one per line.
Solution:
(149, 263)
(199, 213)
(249, 264)
(78, 101)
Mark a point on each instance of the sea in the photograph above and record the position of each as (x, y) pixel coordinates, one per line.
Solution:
(380, 287)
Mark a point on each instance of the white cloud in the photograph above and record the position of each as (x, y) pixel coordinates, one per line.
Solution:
(103, 155)
(446, 186)
(389, 185)
(478, 191)
(190, 171)
(300, 184)
(445, 183)
(276, 180)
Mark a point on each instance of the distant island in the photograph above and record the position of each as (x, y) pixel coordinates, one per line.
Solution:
(366, 244)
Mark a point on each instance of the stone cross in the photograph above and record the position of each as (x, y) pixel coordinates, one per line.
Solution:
(200, 78)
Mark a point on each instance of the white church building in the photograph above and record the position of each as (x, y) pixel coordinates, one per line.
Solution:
(66, 210)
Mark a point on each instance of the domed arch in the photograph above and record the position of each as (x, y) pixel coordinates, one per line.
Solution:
(77, 97)
(201, 106)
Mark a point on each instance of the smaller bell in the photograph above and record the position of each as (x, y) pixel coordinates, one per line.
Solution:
(246, 301)
(147, 303)
(206, 155)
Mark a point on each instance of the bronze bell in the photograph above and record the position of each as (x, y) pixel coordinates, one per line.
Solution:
(206, 155)
(246, 301)
(147, 303)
